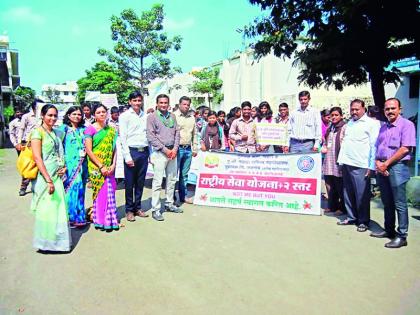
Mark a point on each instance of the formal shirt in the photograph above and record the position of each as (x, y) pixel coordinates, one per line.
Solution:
(187, 129)
(14, 127)
(241, 127)
(27, 124)
(132, 131)
(305, 125)
(392, 136)
(358, 146)
(162, 135)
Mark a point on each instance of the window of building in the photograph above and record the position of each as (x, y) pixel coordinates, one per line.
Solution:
(414, 86)
(66, 93)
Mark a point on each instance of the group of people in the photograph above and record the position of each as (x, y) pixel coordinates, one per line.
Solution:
(83, 149)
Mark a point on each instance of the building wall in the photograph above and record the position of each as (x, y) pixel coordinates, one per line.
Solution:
(274, 80)
(67, 91)
(409, 105)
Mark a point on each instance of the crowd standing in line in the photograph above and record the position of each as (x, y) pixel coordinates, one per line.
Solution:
(83, 149)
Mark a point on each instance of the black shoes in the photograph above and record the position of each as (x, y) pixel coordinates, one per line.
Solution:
(382, 234)
(346, 222)
(397, 243)
(22, 192)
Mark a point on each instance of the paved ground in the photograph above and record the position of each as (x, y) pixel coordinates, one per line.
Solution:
(205, 261)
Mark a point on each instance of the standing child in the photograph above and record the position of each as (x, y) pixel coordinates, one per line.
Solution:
(212, 136)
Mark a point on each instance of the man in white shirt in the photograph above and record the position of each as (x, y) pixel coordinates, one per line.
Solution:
(304, 127)
(135, 151)
(357, 156)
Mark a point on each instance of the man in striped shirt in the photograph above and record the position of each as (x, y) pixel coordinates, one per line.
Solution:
(304, 127)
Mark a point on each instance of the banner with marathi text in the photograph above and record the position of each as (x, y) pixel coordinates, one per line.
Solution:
(272, 134)
(269, 182)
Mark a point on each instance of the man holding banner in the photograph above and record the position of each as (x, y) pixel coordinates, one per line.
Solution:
(283, 120)
(242, 132)
(305, 127)
(188, 145)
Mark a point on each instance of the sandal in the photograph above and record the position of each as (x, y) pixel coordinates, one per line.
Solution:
(345, 222)
(362, 228)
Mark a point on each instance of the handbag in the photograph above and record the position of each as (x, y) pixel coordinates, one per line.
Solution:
(25, 163)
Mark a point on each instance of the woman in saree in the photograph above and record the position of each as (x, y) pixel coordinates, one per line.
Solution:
(52, 231)
(100, 148)
(76, 165)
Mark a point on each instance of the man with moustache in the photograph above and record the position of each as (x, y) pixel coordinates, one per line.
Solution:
(304, 127)
(163, 135)
(357, 157)
(188, 145)
(396, 140)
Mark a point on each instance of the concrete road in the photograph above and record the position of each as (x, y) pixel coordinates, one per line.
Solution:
(205, 261)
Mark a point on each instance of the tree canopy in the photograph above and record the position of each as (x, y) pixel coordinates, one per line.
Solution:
(141, 45)
(105, 78)
(339, 43)
(53, 96)
(208, 83)
(24, 96)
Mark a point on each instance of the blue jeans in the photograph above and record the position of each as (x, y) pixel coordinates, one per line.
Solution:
(184, 158)
(393, 195)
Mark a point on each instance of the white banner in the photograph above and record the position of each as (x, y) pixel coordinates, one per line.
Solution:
(271, 134)
(270, 182)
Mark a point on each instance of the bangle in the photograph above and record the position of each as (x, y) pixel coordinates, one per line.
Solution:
(101, 167)
(49, 181)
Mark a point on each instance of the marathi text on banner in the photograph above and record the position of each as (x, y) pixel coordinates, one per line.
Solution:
(270, 182)
(272, 134)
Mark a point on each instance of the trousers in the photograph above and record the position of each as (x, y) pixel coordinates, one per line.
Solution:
(162, 165)
(356, 194)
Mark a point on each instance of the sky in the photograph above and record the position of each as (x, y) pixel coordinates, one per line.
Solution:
(58, 40)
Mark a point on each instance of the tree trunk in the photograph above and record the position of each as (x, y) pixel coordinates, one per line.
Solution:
(208, 96)
(141, 76)
(378, 90)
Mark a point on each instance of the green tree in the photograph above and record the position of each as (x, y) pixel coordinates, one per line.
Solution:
(8, 112)
(141, 45)
(53, 96)
(23, 97)
(208, 83)
(339, 43)
(105, 78)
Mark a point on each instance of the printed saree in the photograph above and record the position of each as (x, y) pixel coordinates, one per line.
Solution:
(104, 210)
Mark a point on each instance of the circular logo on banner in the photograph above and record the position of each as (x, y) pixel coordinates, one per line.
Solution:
(211, 161)
(305, 163)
